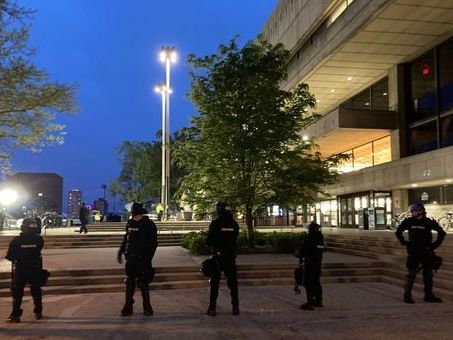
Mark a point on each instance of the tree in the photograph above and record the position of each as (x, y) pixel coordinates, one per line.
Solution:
(29, 101)
(245, 144)
(140, 176)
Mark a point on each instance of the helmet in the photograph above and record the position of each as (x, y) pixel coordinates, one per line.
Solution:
(137, 209)
(222, 208)
(417, 207)
(28, 225)
(210, 267)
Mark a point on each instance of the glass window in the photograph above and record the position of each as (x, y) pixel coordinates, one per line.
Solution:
(446, 126)
(446, 75)
(382, 151)
(423, 138)
(430, 195)
(423, 86)
(448, 194)
(363, 156)
(379, 95)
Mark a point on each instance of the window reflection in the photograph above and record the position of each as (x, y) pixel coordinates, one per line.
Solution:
(373, 153)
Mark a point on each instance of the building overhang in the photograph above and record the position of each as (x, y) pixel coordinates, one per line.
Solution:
(364, 43)
(343, 129)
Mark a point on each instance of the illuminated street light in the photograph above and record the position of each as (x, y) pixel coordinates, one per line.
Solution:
(168, 56)
(8, 196)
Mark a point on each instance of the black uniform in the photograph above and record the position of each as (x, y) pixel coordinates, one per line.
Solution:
(24, 252)
(139, 245)
(222, 237)
(420, 250)
(311, 257)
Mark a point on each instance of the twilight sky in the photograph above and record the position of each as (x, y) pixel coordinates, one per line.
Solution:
(110, 49)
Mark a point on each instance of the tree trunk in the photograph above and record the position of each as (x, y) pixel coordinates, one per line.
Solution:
(249, 223)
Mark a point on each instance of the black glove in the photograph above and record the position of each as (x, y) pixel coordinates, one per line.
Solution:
(119, 257)
(296, 290)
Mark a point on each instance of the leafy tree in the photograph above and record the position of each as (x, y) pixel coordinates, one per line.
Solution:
(245, 144)
(29, 101)
(140, 176)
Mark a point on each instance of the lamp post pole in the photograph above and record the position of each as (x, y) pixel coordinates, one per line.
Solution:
(167, 56)
(161, 88)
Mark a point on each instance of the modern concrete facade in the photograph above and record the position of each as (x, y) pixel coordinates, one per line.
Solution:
(382, 73)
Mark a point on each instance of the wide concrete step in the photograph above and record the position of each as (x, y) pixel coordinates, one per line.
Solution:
(108, 280)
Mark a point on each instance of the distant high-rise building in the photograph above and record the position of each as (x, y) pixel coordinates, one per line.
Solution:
(74, 202)
(102, 205)
(40, 191)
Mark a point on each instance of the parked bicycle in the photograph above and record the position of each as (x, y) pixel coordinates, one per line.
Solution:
(397, 219)
(446, 220)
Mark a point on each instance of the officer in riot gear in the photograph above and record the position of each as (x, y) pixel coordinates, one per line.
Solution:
(420, 247)
(310, 258)
(24, 252)
(222, 238)
(138, 246)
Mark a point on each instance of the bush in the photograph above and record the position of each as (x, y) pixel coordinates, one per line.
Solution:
(195, 241)
(275, 242)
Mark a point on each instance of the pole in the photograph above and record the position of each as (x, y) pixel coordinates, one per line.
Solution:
(163, 190)
(167, 137)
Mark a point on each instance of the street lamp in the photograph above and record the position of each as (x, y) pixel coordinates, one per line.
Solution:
(168, 56)
(7, 197)
(162, 89)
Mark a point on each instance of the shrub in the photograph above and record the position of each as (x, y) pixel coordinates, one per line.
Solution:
(195, 241)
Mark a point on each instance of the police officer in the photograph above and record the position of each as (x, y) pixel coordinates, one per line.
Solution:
(222, 237)
(139, 245)
(420, 247)
(24, 252)
(83, 216)
(310, 257)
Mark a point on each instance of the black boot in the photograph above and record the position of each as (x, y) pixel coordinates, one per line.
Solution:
(14, 317)
(147, 309)
(430, 297)
(211, 310)
(235, 309)
(128, 305)
(409, 283)
(38, 308)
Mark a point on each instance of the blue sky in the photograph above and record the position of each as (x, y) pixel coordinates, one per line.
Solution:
(110, 49)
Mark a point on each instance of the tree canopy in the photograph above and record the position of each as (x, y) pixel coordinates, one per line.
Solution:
(246, 146)
(140, 176)
(29, 101)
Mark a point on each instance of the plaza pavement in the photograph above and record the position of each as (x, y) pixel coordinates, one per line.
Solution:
(352, 310)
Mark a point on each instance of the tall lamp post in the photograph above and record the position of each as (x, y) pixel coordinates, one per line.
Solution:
(167, 56)
(162, 89)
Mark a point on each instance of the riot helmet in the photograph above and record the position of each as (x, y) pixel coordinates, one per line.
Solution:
(223, 208)
(28, 225)
(417, 207)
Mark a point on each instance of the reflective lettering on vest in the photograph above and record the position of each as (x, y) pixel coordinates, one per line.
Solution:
(28, 245)
(320, 247)
(134, 229)
(226, 229)
(417, 227)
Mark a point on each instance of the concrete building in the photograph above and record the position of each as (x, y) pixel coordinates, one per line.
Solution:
(382, 73)
(39, 191)
(74, 203)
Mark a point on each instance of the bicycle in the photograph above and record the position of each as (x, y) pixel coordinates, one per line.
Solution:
(446, 220)
(397, 219)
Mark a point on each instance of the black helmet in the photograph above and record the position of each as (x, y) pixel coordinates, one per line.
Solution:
(28, 225)
(210, 267)
(137, 209)
(223, 208)
(417, 207)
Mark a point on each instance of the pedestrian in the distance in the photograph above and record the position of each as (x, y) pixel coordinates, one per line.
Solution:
(83, 216)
